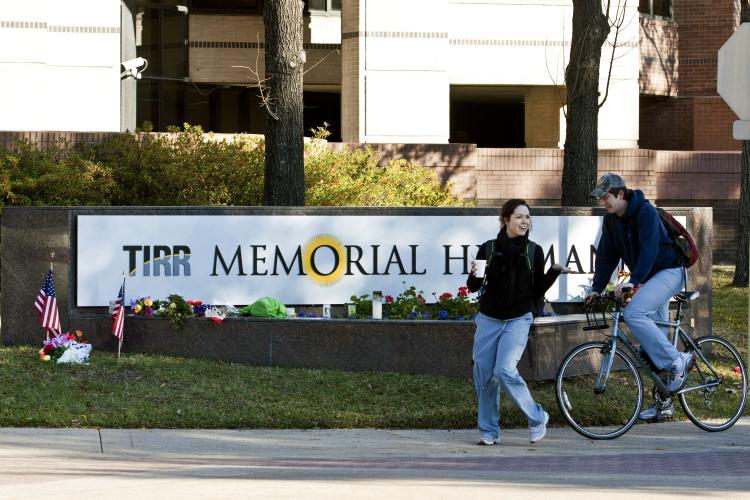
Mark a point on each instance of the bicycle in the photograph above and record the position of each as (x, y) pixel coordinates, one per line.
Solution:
(599, 388)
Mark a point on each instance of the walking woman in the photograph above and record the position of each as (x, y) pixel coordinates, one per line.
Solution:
(513, 283)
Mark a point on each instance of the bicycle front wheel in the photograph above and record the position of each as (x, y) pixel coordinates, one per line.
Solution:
(717, 386)
(598, 399)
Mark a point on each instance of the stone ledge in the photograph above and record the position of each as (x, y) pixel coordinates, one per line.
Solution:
(419, 347)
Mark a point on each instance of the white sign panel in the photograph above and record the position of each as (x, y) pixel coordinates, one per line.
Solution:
(733, 72)
(305, 259)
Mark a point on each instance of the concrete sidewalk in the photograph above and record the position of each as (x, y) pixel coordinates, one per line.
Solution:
(651, 461)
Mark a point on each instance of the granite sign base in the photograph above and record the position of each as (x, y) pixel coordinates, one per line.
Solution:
(416, 347)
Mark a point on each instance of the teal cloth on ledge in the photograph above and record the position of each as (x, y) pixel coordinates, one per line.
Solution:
(267, 307)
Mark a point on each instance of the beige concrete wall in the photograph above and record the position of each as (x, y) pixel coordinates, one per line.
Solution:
(230, 50)
(402, 92)
(60, 65)
(659, 57)
(352, 71)
(544, 116)
(395, 72)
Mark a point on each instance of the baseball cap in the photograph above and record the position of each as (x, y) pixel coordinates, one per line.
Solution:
(606, 182)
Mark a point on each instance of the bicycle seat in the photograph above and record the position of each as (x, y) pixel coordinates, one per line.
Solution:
(687, 296)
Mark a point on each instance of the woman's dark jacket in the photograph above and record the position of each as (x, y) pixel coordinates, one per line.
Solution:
(508, 293)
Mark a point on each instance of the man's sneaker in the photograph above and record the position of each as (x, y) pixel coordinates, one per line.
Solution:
(488, 441)
(537, 432)
(658, 411)
(678, 374)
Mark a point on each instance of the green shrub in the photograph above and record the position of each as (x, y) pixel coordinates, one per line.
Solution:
(52, 176)
(186, 168)
(409, 304)
(363, 305)
(354, 179)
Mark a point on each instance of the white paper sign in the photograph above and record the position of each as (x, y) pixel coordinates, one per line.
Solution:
(305, 259)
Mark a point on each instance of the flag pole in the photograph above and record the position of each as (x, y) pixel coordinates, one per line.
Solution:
(52, 269)
(119, 340)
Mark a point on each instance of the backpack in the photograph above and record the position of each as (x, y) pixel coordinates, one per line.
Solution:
(489, 250)
(683, 241)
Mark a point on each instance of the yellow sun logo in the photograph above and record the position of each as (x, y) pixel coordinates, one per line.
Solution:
(324, 259)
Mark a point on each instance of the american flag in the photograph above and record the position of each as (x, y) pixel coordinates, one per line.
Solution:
(118, 316)
(46, 305)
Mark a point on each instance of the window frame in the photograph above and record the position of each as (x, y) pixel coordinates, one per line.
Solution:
(650, 14)
(328, 11)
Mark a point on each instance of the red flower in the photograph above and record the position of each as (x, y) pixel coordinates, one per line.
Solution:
(421, 299)
(195, 302)
(388, 299)
(463, 291)
(446, 295)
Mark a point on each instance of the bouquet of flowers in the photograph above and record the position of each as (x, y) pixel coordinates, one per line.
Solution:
(144, 306)
(459, 307)
(66, 348)
(176, 310)
(199, 308)
(203, 310)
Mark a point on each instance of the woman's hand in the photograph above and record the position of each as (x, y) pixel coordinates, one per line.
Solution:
(473, 268)
(561, 268)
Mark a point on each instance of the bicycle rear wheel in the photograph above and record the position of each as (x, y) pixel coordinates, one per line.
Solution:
(603, 412)
(720, 397)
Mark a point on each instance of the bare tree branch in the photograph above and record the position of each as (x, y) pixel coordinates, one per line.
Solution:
(265, 97)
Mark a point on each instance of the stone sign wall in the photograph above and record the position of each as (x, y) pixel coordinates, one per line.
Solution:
(30, 235)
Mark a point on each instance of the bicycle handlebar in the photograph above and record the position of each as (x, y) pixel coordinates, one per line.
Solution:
(602, 299)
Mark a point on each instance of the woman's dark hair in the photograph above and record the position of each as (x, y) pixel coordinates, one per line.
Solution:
(510, 206)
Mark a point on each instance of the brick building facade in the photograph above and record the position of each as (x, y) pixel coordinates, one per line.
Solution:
(679, 107)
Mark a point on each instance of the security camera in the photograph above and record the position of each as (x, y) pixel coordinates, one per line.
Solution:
(133, 68)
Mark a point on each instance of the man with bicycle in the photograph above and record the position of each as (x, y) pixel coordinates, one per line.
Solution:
(632, 232)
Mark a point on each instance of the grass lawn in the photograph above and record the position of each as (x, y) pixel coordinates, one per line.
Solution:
(168, 392)
(730, 308)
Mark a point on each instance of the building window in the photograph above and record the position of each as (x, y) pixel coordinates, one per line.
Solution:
(226, 6)
(160, 38)
(320, 6)
(488, 116)
(656, 8)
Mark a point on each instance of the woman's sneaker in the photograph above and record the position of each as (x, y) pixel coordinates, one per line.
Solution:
(488, 441)
(537, 432)
(658, 411)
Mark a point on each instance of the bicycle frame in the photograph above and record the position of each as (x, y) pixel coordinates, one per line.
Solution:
(677, 333)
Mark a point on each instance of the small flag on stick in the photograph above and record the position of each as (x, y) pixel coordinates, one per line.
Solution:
(46, 306)
(118, 316)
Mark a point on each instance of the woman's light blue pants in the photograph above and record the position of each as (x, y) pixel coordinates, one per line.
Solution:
(498, 346)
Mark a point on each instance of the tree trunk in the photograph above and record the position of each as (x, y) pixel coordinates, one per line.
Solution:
(590, 31)
(284, 161)
(741, 264)
(743, 240)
